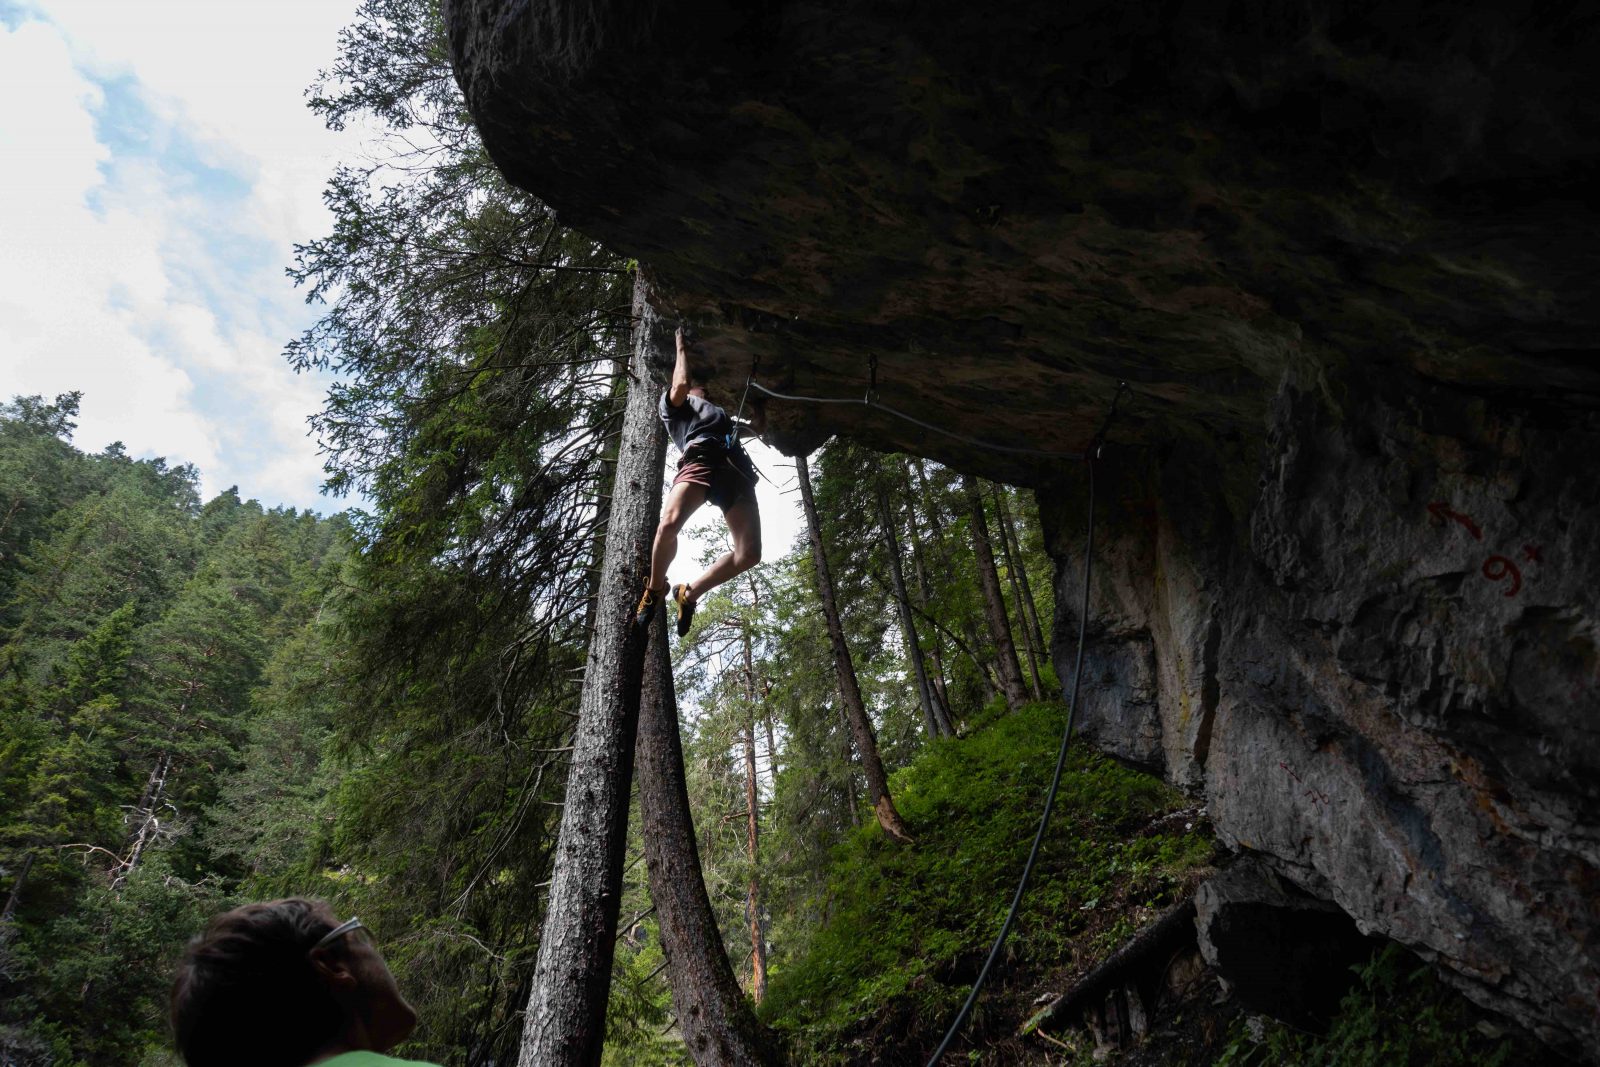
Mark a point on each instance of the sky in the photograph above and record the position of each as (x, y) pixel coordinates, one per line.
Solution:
(158, 165)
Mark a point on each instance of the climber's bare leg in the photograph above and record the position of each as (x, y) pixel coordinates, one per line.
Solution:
(744, 523)
(683, 501)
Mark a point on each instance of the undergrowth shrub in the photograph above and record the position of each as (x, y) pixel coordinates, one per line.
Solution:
(1398, 1014)
(905, 929)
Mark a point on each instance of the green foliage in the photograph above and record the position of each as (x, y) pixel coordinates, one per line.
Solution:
(137, 623)
(40, 472)
(641, 1007)
(117, 951)
(1398, 1013)
(901, 926)
(476, 343)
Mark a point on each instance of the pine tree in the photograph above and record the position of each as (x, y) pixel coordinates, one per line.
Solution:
(994, 605)
(866, 743)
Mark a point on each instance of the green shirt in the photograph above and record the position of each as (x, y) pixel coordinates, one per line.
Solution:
(370, 1059)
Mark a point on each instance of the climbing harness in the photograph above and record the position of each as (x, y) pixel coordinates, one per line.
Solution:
(1095, 448)
(729, 447)
(731, 439)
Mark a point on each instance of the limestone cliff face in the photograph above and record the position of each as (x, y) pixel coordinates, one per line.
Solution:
(1380, 672)
(1346, 255)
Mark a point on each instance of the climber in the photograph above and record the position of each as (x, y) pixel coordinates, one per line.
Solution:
(713, 467)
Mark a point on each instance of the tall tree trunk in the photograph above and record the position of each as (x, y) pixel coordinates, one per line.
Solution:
(147, 817)
(1012, 564)
(931, 713)
(845, 670)
(764, 686)
(994, 605)
(1022, 574)
(968, 629)
(847, 756)
(716, 1021)
(772, 747)
(16, 888)
(925, 597)
(752, 835)
(571, 980)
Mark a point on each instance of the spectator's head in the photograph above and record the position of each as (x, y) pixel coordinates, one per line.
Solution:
(283, 982)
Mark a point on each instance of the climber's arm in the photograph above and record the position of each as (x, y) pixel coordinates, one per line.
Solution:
(679, 390)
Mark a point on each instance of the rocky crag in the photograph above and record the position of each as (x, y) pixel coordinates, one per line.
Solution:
(1344, 253)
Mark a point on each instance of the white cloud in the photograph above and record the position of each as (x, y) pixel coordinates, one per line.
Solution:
(132, 272)
(234, 74)
(65, 272)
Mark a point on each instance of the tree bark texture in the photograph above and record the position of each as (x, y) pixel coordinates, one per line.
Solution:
(16, 889)
(752, 834)
(991, 688)
(717, 1024)
(1013, 557)
(845, 671)
(572, 978)
(932, 715)
(1022, 573)
(994, 605)
(925, 596)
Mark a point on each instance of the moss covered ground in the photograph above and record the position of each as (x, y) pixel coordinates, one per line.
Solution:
(904, 930)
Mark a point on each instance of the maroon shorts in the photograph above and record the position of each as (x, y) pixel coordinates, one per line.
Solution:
(723, 476)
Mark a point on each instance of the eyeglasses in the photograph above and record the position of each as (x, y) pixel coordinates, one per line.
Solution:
(346, 927)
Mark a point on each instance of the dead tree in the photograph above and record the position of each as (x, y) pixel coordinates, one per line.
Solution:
(990, 687)
(752, 826)
(1028, 602)
(1013, 558)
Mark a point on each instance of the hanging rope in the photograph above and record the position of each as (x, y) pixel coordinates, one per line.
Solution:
(868, 401)
(754, 363)
(1095, 448)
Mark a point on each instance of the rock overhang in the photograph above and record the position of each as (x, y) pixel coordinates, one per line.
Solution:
(1014, 206)
(1344, 254)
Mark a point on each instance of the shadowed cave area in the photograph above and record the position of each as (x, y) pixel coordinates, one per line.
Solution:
(1344, 255)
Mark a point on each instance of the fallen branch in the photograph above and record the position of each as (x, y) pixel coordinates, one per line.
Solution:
(1129, 965)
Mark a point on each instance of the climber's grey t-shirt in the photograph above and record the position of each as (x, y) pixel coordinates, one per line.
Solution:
(695, 420)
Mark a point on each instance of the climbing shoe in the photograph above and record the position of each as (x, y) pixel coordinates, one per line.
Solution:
(647, 607)
(680, 597)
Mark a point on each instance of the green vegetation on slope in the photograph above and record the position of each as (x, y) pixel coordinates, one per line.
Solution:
(904, 930)
(138, 638)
